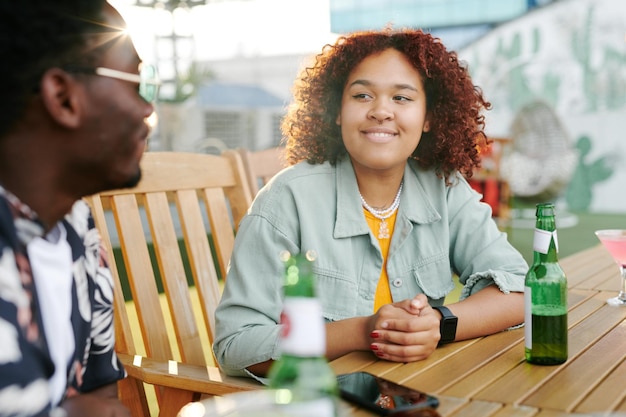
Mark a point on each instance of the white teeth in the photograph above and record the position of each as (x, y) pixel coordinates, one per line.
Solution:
(381, 135)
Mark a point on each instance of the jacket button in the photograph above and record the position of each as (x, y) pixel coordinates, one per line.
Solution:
(397, 283)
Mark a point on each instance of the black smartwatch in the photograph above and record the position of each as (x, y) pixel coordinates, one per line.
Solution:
(447, 326)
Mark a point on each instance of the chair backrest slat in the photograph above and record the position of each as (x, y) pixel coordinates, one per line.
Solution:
(199, 255)
(123, 334)
(261, 166)
(173, 278)
(141, 276)
(220, 224)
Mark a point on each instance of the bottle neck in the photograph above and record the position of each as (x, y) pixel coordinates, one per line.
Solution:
(300, 286)
(545, 243)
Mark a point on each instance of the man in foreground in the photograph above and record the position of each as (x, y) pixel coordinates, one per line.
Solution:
(72, 123)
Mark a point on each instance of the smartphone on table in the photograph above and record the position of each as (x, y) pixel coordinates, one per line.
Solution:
(385, 397)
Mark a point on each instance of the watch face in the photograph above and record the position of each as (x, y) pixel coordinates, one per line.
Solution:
(449, 328)
(448, 324)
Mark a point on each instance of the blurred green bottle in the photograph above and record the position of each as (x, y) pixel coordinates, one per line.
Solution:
(302, 367)
(545, 295)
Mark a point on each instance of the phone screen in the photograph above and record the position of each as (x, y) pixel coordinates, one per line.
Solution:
(381, 395)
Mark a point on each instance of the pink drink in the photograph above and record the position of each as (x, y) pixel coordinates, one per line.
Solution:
(615, 242)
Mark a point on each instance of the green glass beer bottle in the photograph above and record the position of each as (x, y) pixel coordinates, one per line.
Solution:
(302, 367)
(545, 295)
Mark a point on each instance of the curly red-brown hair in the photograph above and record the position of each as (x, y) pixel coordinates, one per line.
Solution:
(453, 103)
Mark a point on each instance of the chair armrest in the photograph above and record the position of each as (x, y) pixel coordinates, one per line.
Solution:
(205, 380)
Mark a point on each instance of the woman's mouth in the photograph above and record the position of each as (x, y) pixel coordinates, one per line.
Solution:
(378, 135)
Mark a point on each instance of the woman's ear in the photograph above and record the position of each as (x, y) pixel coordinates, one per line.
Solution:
(426, 127)
(60, 96)
(338, 120)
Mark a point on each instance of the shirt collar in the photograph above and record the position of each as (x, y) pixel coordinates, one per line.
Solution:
(27, 223)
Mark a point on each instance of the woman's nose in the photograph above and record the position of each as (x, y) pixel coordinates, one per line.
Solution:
(380, 111)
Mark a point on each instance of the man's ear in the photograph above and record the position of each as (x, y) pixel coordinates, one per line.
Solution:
(60, 96)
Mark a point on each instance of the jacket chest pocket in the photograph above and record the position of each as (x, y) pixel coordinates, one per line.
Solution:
(338, 295)
(434, 278)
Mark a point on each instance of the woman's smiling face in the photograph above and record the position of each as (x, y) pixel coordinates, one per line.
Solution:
(383, 111)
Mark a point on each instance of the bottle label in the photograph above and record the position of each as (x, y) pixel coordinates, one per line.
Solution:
(303, 331)
(541, 241)
(528, 321)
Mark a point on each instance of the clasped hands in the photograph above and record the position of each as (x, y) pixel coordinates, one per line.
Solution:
(404, 331)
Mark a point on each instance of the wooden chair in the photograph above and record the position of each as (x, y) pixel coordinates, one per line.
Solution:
(179, 194)
(262, 165)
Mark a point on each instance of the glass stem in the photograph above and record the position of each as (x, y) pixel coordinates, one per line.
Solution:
(622, 292)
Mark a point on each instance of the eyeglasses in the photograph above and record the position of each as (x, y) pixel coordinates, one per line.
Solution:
(147, 78)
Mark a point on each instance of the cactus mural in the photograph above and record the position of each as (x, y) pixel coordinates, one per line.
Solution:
(572, 56)
(579, 194)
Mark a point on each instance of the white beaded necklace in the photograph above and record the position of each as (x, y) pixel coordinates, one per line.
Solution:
(383, 215)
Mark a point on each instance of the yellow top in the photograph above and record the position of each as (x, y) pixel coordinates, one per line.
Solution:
(383, 291)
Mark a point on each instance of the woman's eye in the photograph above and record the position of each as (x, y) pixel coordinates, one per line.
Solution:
(402, 98)
(361, 96)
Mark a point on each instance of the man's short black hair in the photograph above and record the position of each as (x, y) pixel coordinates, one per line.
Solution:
(36, 35)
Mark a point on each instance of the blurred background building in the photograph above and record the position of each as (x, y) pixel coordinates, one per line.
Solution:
(456, 22)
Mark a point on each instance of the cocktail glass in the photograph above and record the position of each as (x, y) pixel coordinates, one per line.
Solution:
(614, 240)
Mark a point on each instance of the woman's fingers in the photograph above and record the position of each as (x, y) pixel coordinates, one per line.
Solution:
(414, 305)
(403, 353)
(408, 332)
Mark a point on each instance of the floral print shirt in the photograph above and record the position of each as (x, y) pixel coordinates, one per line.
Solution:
(25, 362)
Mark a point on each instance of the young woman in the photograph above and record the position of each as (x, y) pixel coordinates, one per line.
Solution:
(383, 129)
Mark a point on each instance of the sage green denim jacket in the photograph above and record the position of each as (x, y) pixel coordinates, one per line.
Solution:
(440, 231)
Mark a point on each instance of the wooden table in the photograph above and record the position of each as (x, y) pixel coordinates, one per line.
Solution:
(488, 377)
